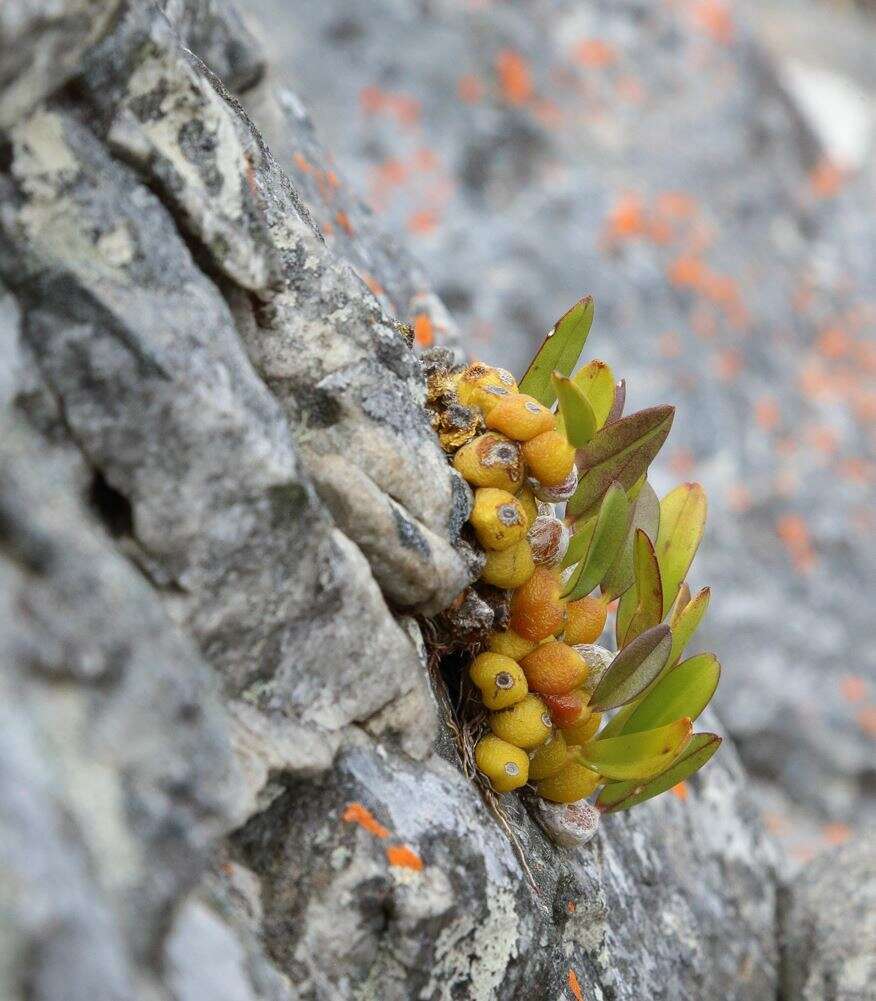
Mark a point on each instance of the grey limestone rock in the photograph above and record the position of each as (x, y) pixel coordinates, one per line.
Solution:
(829, 928)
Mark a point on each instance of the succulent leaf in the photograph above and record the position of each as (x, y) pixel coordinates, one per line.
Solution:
(636, 755)
(614, 727)
(685, 622)
(559, 352)
(617, 406)
(682, 520)
(622, 795)
(596, 381)
(648, 594)
(577, 420)
(579, 543)
(644, 514)
(684, 690)
(620, 451)
(681, 600)
(633, 669)
(608, 535)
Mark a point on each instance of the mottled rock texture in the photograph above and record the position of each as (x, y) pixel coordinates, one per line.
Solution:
(829, 928)
(226, 769)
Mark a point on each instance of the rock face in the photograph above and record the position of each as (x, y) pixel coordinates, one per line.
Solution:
(829, 928)
(646, 153)
(227, 768)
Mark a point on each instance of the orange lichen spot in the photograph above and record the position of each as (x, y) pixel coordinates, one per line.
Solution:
(549, 113)
(836, 833)
(372, 283)
(391, 172)
(802, 853)
(594, 53)
(739, 498)
(864, 405)
(728, 365)
(574, 986)
(766, 413)
(822, 438)
(866, 720)
(630, 88)
(358, 813)
(714, 17)
(424, 333)
(680, 791)
(687, 272)
(675, 205)
(775, 823)
(626, 219)
(702, 321)
(371, 99)
(669, 344)
(855, 470)
(720, 289)
(659, 232)
(470, 88)
(682, 462)
(301, 163)
(853, 688)
(425, 159)
(813, 381)
(515, 80)
(424, 221)
(403, 857)
(826, 179)
(406, 109)
(794, 533)
(834, 342)
(343, 220)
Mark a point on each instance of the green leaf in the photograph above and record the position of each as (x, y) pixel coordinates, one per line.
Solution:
(579, 543)
(649, 589)
(636, 755)
(685, 622)
(616, 724)
(623, 795)
(685, 690)
(626, 609)
(596, 381)
(681, 600)
(559, 352)
(608, 535)
(682, 520)
(617, 406)
(633, 669)
(620, 451)
(645, 514)
(577, 420)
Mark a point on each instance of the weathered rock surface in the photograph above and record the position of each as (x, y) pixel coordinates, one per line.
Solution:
(227, 770)
(829, 928)
(647, 153)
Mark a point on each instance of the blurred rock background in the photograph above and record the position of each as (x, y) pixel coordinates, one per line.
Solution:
(706, 170)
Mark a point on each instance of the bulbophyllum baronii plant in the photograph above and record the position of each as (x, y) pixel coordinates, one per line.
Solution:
(569, 525)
